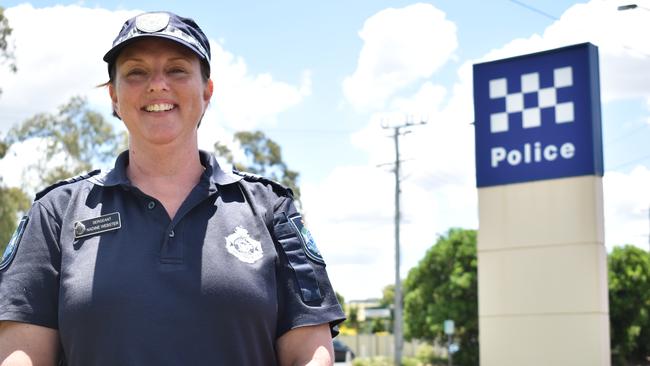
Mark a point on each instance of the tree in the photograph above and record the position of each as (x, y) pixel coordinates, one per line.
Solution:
(388, 296)
(6, 55)
(629, 305)
(444, 286)
(13, 203)
(340, 298)
(76, 136)
(263, 157)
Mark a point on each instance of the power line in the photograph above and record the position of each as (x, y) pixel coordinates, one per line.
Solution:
(531, 8)
(631, 162)
(626, 134)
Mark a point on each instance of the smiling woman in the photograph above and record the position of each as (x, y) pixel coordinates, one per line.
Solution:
(165, 259)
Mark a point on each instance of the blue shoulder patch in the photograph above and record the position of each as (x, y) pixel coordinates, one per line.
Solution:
(12, 246)
(308, 242)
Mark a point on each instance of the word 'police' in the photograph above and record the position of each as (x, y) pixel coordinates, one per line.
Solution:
(531, 154)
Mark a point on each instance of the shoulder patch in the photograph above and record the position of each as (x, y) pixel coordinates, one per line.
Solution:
(251, 177)
(42, 193)
(308, 242)
(12, 246)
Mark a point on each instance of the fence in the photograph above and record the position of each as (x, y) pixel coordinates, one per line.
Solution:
(372, 345)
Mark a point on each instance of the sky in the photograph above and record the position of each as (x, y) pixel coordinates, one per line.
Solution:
(322, 78)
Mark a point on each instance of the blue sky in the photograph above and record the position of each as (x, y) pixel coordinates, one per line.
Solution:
(320, 77)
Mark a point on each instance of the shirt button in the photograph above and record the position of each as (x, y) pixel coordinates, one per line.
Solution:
(171, 234)
(151, 205)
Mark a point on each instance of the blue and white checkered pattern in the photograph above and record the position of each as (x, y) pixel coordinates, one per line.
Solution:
(531, 115)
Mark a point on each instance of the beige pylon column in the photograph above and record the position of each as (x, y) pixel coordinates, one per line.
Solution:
(542, 274)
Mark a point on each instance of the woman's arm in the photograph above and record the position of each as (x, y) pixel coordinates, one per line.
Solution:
(310, 345)
(24, 344)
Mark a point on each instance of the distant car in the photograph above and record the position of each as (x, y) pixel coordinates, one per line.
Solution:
(342, 353)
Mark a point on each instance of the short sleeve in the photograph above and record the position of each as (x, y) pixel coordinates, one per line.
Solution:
(29, 283)
(305, 295)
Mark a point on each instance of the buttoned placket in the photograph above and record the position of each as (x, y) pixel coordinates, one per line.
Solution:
(172, 248)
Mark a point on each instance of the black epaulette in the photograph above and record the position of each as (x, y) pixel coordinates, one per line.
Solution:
(258, 178)
(42, 193)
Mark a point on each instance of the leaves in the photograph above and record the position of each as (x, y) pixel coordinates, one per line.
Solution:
(13, 204)
(6, 55)
(444, 286)
(263, 157)
(75, 137)
(629, 304)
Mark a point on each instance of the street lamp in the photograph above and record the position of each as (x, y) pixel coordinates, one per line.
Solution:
(631, 7)
(627, 7)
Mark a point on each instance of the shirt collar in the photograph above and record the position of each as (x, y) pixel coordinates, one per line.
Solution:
(213, 172)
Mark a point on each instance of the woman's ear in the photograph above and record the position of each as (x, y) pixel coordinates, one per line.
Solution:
(111, 92)
(207, 92)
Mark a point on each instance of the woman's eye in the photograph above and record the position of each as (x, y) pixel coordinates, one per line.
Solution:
(177, 70)
(135, 72)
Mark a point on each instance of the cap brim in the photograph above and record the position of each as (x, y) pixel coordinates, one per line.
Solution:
(112, 54)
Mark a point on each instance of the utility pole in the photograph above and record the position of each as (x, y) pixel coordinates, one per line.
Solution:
(397, 321)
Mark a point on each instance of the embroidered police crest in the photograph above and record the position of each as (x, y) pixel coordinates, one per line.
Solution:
(242, 246)
(308, 242)
(12, 246)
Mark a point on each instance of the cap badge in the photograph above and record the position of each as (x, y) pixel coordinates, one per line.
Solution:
(152, 22)
(242, 246)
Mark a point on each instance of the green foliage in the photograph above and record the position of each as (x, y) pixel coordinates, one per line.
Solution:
(444, 286)
(388, 296)
(353, 317)
(378, 325)
(340, 298)
(263, 157)
(13, 204)
(373, 361)
(6, 55)
(75, 136)
(387, 361)
(629, 304)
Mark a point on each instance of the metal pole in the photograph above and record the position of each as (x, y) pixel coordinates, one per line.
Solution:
(449, 353)
(397, 329)
(397, 316)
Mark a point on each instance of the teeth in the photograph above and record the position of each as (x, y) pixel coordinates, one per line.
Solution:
(159, 107)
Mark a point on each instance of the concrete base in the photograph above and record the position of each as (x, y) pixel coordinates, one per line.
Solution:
(542, 267)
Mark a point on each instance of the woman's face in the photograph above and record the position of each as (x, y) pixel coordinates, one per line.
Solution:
(159, 92)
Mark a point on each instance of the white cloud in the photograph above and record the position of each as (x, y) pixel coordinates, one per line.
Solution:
(401, 46)
(243, 101)
(624, 51)
(59, 54)
(439, 187)
(627, 201)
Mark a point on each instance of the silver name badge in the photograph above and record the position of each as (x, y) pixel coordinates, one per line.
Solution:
(97, 225)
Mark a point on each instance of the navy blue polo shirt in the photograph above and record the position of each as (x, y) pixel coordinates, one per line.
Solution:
(125, 284)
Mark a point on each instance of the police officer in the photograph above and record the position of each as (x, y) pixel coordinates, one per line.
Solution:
(165, 259)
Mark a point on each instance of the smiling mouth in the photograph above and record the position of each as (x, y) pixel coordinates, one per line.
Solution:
(163, 107)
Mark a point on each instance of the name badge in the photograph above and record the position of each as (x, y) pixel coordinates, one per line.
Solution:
(97, 225)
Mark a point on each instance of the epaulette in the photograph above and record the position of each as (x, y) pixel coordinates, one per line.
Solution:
(258, 178)
(42, 193)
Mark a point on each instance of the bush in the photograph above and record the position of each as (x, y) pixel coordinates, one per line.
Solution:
(406, 361)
